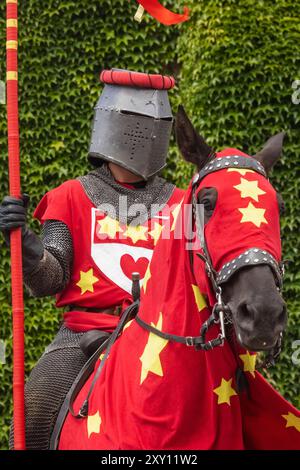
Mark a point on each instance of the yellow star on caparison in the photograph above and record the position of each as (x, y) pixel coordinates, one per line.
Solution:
(199, 299)
(147, 277)
(94, 423)
(136, 233)
(156, 232)
(249, 189)
(109, 226)
(150, 358)
(249, 361)
(292, 421)
(241, 171)
(225, 392)
(87, 281)
(175, 214)
(127, 324)
(253, 214)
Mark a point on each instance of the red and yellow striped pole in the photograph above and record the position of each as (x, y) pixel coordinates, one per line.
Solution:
(15, 239)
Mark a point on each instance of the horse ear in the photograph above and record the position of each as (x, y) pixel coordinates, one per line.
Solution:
(271, 151)
(192, 146)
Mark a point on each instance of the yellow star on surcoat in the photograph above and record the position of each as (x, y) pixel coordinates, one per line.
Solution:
(150, 358)
(147, 277)
(225, 392)
(175, 214)
(156, 232)
(109, 226)
(136, 233)
(241, 171)
(292, 421)
(249, 361)
(249, 189)
(253, 214)
(199, 299)
(93, 423)
(87, 281)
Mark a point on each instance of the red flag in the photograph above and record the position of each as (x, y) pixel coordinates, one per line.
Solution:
(162, 14)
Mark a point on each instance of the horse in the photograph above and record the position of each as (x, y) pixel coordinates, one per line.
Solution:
(183, 373)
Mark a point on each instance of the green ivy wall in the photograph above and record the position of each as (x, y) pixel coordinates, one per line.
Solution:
(235, 62)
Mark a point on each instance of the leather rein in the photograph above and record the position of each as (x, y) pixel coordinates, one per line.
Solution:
(221, 314)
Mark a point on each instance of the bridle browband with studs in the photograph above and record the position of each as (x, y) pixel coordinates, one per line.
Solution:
(251, 257)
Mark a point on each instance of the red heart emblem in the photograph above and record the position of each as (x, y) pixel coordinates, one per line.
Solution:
(130, 266)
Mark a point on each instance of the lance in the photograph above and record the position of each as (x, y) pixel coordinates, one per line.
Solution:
(16, 235)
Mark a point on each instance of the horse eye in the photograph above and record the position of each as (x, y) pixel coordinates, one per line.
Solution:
(207, 204)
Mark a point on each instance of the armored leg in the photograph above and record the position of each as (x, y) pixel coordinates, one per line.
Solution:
(47, 386)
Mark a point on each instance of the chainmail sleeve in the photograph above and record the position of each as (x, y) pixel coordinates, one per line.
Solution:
(52, 273)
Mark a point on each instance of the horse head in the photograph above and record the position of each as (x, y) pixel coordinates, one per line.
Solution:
(241, 233)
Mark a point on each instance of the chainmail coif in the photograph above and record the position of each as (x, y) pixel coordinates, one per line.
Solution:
(102, 189)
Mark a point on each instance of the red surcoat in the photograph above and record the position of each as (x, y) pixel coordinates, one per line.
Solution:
(105, 253)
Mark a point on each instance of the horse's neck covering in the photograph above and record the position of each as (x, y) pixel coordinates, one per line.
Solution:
(246, 216)
(175, 289)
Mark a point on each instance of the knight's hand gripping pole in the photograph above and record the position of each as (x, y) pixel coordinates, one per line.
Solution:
(15, 237)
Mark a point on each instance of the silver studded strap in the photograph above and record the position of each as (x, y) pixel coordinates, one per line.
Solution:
(232, 161)
(251, 257)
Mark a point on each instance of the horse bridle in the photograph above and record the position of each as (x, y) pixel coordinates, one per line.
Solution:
(251, 257)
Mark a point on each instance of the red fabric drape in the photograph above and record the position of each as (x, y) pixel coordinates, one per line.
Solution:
(162, 14)
(137, 79)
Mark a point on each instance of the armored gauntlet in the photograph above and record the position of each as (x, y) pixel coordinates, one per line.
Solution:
(46, 261)
(13, 213)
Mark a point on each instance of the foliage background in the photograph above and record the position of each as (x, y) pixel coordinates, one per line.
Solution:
(235, 62)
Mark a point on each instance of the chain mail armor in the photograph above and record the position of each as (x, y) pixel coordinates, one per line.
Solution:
(102, 190)
(52, 272)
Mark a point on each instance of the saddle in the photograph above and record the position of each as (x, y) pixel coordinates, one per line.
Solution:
(92, 340)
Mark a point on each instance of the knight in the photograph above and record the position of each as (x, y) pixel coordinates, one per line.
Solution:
(96, 231)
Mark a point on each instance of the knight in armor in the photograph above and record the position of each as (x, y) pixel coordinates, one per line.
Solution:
(92, 239)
